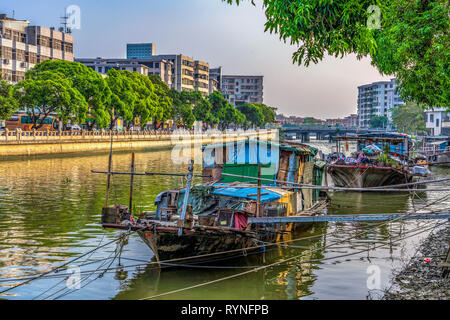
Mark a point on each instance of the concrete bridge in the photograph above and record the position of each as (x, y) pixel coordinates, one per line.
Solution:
(324, 133)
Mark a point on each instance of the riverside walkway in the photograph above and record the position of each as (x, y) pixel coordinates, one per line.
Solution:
(25, 143)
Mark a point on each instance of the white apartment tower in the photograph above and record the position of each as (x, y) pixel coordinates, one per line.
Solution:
(377, 99)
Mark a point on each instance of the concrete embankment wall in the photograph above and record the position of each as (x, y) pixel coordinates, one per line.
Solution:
(42, 145)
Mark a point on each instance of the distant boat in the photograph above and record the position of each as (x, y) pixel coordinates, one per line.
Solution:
(367, 169)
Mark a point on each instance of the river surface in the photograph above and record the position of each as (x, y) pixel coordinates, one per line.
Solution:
(50, 208)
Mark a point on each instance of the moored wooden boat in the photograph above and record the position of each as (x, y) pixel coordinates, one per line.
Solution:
(211, 220)
(381, 159)
(364, 176)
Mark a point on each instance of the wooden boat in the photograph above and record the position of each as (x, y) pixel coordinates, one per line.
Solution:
(355, 173)
(366, 176)
(213, 219)
(436, 150)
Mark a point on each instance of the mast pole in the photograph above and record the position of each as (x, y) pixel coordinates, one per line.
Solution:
(130, 206)
(186, 196)
(108, 181)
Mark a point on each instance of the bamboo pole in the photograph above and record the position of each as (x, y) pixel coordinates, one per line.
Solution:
(150, 174)
(258, 197)
(130, 207)
(186, 197)
(108, 180)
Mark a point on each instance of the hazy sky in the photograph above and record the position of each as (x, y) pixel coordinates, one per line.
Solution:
(222, 35)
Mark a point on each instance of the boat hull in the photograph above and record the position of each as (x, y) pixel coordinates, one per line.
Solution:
(203, 244)
(443, 160)
(350, 176)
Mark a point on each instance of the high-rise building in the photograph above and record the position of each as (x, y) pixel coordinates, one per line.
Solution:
(22, 46)
(242, 89)
(188, 74)
(140, 50)
(179, 72)
(377, 99)
(215, 79)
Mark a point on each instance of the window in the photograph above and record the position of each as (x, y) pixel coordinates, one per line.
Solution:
(437, 122)
(431, 117)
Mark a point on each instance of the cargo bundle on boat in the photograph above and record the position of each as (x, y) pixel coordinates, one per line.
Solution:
(241, 180)
(380, 159)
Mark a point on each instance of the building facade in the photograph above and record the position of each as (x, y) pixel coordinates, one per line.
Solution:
(438, 122)
(377, 99)
(22, 46)
(215, 79)
(241, 89)
(154, 65)
(140, 50)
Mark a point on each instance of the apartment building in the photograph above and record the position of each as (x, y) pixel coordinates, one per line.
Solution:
(215, 79)
(201, 77)
(351, 121)
(240, 89)
(438, 122)
(153, 65)
(377, 99)
(22, 46)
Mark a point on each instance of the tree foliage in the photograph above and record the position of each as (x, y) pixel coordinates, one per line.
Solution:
(165, 102)
(50, 93)
(252, 113)
(146, 100)
(378, 122)
(411, 42)
(409, 118)
(269, 113)
(86, 81)
(8, 103)
(123, 97)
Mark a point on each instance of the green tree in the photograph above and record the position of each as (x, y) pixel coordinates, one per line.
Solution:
(378, 122)
(409, 118)
(202, 111)
(50, 93)
(219, 104)
(186, 115)
(268, 112)
(122, 98)
(89, 84)
(252, 114)
(410, 42)
(8, 103)
(146, 100)
(165, 102)
(232, 116)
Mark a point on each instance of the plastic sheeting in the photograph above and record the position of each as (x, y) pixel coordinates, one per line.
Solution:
(247, 193)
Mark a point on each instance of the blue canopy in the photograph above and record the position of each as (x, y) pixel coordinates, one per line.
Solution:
(248, 193)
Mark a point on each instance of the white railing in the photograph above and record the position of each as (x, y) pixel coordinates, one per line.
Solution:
(19, 136)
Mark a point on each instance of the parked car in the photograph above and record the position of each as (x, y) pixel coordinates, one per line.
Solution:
(74, 127)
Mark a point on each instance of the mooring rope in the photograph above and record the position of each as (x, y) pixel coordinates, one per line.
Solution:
(267, 266)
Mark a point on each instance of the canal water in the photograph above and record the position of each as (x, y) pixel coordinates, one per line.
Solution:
(50, 208)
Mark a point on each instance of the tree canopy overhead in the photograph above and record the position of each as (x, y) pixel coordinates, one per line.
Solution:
(405, 38)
